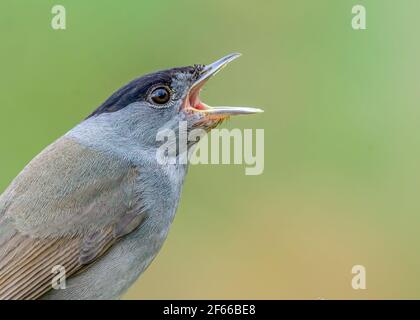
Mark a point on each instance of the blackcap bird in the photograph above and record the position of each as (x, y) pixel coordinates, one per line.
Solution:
(95, 206)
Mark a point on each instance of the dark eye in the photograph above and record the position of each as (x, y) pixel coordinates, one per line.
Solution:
(160, 95)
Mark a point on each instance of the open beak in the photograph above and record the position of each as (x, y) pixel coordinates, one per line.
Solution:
(195, 104)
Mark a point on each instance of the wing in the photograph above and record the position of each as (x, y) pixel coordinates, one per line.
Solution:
(66, 208)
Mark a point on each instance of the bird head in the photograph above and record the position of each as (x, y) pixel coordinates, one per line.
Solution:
(162, 99)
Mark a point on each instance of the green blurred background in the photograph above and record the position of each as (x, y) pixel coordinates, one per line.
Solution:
(342, 135)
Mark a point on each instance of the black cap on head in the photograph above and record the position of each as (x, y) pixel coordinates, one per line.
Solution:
(137, 89)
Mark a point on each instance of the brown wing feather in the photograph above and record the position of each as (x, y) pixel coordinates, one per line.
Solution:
(26, 271)
(46, 221)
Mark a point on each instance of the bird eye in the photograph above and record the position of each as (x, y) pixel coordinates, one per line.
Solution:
(160, 95)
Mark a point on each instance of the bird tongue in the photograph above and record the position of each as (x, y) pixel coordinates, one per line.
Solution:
(200, 106)
(194, 102)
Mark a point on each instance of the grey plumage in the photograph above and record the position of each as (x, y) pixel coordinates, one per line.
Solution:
(96, 201)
